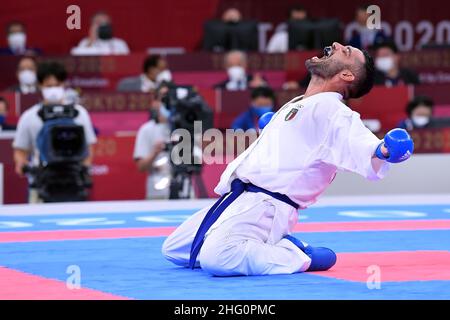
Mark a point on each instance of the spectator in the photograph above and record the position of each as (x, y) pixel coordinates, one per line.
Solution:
(387, 63)
(3, 114)
(51, 77)
(17, 41)
(238, 78)
(150, 155)
(26, 76)
(231, 15)
(263, 100)
(419, 111)
(101, 40)
(154, 72)
(363, 37)
(279, 43)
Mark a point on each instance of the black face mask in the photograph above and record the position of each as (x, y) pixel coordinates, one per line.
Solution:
(105, 31)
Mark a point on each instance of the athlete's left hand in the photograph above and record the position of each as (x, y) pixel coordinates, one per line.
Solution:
(396, 147)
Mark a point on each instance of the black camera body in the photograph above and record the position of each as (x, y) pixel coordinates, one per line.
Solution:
(61, 175)
(186, 108)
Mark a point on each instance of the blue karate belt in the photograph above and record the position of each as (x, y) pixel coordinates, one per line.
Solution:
(237, 188)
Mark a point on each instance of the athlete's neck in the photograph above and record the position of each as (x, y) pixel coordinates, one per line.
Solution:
(319, 85)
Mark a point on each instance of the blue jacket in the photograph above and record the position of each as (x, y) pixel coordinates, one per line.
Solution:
(246, 120)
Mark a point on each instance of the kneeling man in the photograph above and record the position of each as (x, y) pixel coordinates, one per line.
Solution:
(296, 157)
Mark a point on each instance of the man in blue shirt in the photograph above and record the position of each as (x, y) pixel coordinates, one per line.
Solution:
(263, 100)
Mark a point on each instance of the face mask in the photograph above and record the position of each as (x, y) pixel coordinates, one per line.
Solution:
(2, 119)
(105, 31)
(163, 111)
(259, 111)
(236, 73)
(384, 64)
(27, 77)
(420, 121)
(164, 76)
(17, 40)
(53, 94)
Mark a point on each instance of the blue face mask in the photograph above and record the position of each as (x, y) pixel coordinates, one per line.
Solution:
(2, 119)
(259, 111)
(164, 112)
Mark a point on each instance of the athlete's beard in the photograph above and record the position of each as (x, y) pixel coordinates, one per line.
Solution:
(326, 69)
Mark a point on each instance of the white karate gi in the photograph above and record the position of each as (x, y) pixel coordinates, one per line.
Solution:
(297, 156)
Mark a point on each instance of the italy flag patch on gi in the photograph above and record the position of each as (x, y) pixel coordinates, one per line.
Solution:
(291, 114)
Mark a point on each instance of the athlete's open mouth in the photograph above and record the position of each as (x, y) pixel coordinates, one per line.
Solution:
(327, 52)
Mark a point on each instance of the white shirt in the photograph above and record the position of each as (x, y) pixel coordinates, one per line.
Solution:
(300, 157)
(149, 134)
(147, 84)
(114, 46)
(30, 124)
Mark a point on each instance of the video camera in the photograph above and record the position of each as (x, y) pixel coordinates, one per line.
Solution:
(186, 108)
(60, 175)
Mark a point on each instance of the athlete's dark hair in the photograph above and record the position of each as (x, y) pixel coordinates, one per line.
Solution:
(366, 74)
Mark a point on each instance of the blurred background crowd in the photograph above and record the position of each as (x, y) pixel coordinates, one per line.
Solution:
(132, 73)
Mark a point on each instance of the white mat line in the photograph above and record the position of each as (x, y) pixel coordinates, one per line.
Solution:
(381, 200)
(105, 207)
(102, 207)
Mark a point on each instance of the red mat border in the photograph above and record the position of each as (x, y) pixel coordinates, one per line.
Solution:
(18, 285)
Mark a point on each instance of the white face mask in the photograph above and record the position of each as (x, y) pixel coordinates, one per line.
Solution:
(164, 75)
(163, 111)
(384, 64)
(27, 77)
(420, 121)
(53, 94)
(236, 73)
(17, 41)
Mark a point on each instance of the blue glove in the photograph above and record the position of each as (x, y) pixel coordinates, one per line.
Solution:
(265, 119)
(399, 145)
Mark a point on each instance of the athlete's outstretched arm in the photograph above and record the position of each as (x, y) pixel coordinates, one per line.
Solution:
(351, 146)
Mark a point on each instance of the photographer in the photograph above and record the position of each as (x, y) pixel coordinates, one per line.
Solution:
(165, 146)
(149, 150)
(51, 77)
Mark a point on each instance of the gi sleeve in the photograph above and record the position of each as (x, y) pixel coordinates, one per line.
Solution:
(350, 146)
